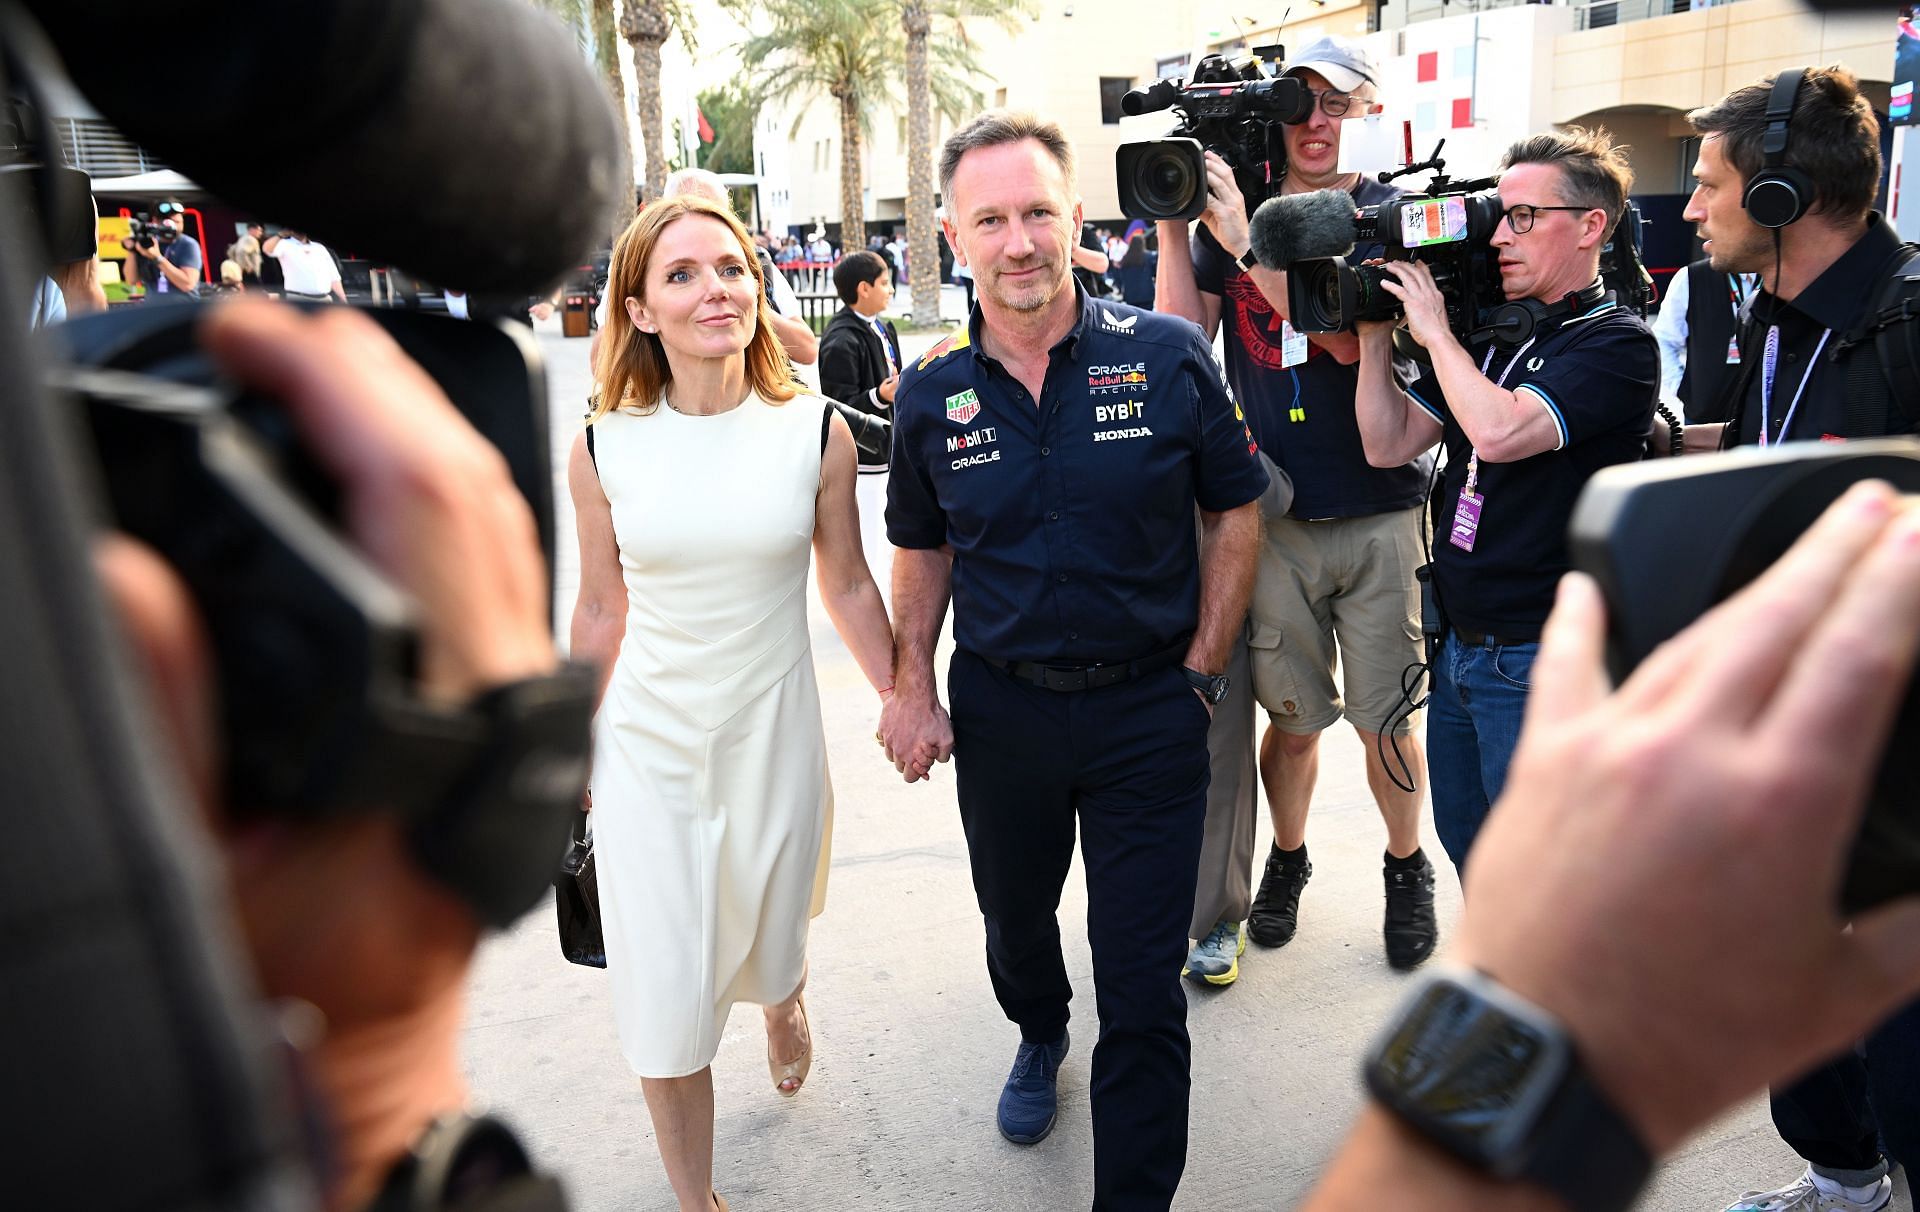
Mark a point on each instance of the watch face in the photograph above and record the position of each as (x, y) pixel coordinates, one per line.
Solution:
(1472, 1073)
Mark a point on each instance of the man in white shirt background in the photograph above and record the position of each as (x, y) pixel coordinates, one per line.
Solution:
(308, 267)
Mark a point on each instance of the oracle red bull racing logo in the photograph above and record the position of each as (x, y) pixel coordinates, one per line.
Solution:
(1121, 378)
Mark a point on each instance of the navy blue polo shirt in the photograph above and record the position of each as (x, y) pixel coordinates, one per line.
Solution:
(1302, 415)
(1071, 522)
(1598, 374)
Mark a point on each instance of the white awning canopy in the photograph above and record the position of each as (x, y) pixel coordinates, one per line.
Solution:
(164, 183)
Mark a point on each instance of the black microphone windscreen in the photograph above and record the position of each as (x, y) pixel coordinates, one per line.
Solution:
(1296, 227)
(466, 141)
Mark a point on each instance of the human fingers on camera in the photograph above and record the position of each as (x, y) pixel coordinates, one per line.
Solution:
(430, 501)
(1226, 212)
(1848, 674)
(1407, 276)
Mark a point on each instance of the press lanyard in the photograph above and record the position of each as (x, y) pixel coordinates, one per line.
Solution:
(1768, 364)
(1473, 456)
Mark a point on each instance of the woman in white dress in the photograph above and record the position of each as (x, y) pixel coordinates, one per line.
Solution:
(706, 478)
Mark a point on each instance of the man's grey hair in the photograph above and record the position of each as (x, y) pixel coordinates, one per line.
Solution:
(999, 126)
(698, 182)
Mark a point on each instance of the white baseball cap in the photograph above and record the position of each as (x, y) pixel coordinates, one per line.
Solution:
(1344, 64)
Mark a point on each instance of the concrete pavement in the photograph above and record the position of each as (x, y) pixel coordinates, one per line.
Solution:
(910, 1048)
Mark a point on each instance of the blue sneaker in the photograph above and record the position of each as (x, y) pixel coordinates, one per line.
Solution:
(1215, 959)
(1030, 1101)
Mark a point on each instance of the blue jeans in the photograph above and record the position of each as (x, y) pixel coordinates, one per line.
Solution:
(1853, 1114)
(1473, 724)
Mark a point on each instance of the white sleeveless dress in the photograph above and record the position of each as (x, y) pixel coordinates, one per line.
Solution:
(711, 800)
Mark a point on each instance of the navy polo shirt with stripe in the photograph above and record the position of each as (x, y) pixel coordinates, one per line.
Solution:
(1071, 519)
(1598, 376)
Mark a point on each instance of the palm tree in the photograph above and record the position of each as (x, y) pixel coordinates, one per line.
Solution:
(646, 25)
(853, 51)
(598, 28)
(844, 49)
(605, 26)
(917, 21)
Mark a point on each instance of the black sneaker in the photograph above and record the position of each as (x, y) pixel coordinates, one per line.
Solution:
(1411, 928)
(1276, 908)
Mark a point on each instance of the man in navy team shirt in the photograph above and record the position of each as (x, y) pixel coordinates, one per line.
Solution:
(1524, 426)
(1047, 464)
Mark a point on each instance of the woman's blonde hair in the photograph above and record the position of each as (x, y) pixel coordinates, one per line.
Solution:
(632, 370)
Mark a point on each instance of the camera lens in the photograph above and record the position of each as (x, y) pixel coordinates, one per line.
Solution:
(1167, 181)
(1325, 297)
(1161, 179)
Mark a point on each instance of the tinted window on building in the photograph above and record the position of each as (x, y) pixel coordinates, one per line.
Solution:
(1112, 88)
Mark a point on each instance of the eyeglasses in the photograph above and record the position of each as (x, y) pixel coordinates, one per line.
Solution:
(1334, 104)
(1520, 215)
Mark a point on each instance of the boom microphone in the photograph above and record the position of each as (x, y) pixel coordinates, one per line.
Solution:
(1297, 227)
(466, 141)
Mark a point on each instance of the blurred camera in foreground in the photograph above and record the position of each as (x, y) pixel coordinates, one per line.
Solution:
(1659, 573)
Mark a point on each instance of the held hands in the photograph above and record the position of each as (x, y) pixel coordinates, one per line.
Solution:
(1226, 213)
(915, 733)
(885, 390)
(1665, 849)
(1412, 283)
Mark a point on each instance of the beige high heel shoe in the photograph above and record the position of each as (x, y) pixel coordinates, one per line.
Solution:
(719, 1203)
(794, 1070)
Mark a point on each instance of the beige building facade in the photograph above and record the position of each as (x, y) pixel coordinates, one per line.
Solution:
(1478, 79)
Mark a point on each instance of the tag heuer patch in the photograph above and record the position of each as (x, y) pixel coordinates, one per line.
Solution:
(963, 407)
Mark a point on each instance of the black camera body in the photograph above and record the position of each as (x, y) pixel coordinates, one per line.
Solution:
(1447, 232)
(1448, 228)
(146, 231)
(315, 648)
(1233, 110)
(1669, 538)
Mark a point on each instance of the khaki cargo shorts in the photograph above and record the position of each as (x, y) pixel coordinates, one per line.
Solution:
(1329, 593)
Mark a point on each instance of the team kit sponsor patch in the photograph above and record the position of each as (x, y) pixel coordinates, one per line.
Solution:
(1119, 421)
(967, 446)
(959, 340)
(963, 406)
(1121, 378)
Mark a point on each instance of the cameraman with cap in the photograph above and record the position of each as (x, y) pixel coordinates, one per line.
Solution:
(1336, 566)
(167, 266)
(1801, 217)
(1524, 428)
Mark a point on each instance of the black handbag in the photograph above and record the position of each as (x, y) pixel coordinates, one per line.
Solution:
(576, 901)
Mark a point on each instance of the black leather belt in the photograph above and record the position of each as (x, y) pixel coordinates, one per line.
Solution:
(1070, 678)
(1480, 639)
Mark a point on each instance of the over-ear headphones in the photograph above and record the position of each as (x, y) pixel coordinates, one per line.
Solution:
(1778, 195)
(1515, 322)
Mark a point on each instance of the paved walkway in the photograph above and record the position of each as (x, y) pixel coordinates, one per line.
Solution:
(911, 1049)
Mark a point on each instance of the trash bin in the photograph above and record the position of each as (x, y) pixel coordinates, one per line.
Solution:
(576, 315)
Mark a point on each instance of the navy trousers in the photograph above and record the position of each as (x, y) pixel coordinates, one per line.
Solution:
(1128, 765)
(1844, 1115)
